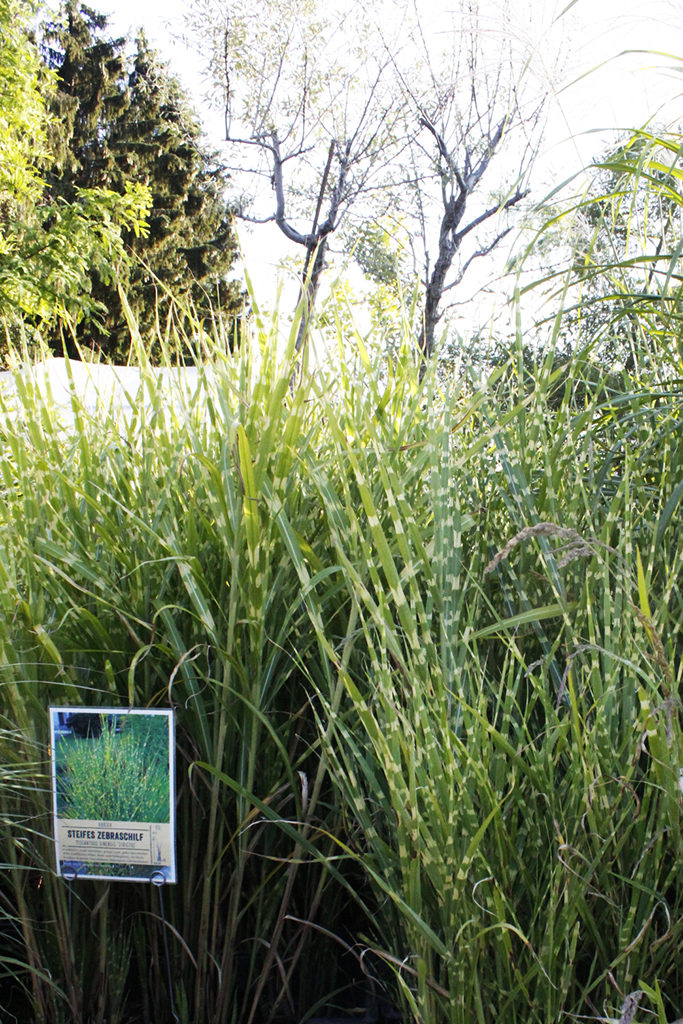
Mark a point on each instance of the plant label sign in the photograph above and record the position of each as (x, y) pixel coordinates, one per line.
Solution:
(113, 793)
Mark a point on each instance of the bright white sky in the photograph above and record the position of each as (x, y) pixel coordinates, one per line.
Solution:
(623, 93)
(604, 88)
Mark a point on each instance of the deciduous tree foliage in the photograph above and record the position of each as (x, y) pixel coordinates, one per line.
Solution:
(126, 118)
(623, 236)
(48, 244)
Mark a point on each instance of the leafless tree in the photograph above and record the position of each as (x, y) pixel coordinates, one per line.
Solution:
(302, 91)
(473, 104)
(347, 110)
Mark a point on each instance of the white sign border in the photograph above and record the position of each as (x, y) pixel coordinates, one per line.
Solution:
(69, 709)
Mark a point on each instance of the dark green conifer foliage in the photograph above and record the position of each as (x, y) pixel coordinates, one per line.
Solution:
(126, 118)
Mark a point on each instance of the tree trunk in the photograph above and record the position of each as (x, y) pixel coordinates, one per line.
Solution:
(309, 288)
(449, 243)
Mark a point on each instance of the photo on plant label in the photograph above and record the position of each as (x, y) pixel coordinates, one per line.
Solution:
(112, 773)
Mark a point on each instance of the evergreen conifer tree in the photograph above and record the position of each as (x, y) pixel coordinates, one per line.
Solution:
(125, 118)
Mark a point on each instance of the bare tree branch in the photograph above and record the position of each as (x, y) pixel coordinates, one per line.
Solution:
(475, 255)
(490, 212)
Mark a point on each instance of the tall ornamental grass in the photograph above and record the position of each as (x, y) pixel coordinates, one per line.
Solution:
(142, 567)
(513, 760)
(423, 643)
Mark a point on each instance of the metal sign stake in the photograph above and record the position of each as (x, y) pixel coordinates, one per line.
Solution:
(70, 874)
(159, 881)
